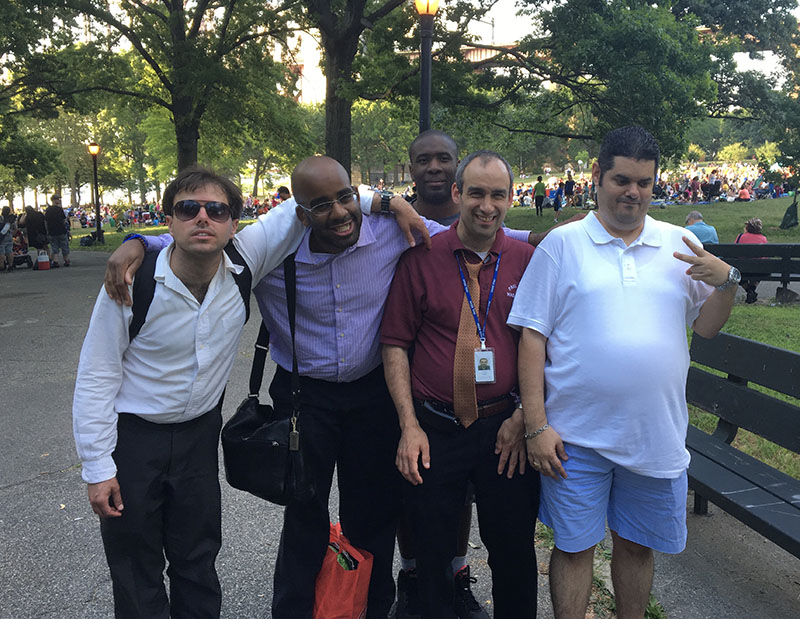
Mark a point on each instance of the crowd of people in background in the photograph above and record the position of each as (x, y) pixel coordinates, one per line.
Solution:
(741, 182)
(693, 184)
(49, 229)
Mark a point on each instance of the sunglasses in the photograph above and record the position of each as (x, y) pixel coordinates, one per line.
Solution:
(324, 208)
(186, 210)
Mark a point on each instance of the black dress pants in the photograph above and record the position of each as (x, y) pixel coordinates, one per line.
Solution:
(169, 479)
(352, 426)
(507, 510)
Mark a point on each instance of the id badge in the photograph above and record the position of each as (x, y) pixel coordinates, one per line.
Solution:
(484, 366)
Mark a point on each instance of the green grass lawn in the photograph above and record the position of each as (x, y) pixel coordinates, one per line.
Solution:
(727, 217)
(114, 239)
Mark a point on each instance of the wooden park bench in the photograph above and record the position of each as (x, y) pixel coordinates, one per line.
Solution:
(758, 495)
(771, 262)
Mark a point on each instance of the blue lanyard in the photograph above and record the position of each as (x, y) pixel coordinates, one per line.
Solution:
(481, 329)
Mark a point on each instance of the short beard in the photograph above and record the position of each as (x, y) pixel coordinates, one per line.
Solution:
(437, 199)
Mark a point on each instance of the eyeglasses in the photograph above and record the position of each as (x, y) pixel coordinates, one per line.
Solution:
(186, 210)
(324, 208)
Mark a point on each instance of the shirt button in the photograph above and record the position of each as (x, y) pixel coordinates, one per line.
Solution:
(338, 285)
(338, 309)
(341, 335)
(341, 360)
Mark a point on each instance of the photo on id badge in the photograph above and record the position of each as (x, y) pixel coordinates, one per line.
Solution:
(484, 365)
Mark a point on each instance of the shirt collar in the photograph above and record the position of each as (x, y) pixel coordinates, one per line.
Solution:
(366, 236)
(650, 234)
(163, 268)
(454, 242)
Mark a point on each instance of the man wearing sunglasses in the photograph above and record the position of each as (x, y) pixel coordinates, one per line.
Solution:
(147, 406)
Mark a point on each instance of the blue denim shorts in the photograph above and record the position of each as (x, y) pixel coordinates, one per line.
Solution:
(60, 243)
(646, 510)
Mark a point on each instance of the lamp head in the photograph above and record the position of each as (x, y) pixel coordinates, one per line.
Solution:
(94, 149)
(427, 7)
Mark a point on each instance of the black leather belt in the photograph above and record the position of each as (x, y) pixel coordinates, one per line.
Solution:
(487, 408)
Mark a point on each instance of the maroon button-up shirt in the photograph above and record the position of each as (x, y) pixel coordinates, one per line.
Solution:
(424, 308)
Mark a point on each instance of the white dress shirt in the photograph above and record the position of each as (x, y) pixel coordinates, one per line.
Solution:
(174, 370)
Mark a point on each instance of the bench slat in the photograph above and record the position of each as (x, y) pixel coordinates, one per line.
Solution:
(771, 367)
(770, 261)
(774, 419)
(747, 250)
(758, 509)
(781, 485)
(766, 266)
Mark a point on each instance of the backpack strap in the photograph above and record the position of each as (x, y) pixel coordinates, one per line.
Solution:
(144, 287)
(244, 279)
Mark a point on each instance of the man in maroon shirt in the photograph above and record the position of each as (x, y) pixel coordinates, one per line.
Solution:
(423, 311)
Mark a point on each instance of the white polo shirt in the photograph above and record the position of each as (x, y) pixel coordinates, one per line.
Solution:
(617, 355)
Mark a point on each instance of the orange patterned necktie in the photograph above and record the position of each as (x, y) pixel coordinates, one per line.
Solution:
(465, 404)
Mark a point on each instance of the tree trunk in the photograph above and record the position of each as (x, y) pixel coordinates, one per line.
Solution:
(339, 54)
(187, 131)
(142, 180)
(23, 198)
(140, 172)
(74, 190)
(158, 191)
(260, 163)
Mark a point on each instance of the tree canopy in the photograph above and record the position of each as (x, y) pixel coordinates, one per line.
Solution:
(168, 83)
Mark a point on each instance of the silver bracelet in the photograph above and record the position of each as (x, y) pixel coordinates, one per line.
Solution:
(537, 432)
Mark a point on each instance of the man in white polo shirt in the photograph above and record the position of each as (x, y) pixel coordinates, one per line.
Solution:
(604, 306)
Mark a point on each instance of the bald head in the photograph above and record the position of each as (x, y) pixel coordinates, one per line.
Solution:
(327, 203)
(317, 175)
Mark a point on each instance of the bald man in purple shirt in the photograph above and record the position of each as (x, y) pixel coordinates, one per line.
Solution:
(345, 264)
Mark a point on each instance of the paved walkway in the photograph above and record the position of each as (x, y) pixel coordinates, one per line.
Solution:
(51, 558)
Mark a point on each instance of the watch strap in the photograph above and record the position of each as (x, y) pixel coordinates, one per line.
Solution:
(386, 197)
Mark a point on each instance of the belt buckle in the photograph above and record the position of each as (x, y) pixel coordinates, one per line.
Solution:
(428, 405)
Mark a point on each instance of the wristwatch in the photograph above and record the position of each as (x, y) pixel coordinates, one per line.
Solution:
(734, 277)
(386, 197)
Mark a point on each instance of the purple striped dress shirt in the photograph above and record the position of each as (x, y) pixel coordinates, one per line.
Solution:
(340, 299)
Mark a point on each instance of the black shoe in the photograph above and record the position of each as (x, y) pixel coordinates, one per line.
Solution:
(752, 296)
(408, 605)
(465, 605)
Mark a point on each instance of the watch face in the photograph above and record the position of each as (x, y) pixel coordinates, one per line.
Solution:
(735, 275)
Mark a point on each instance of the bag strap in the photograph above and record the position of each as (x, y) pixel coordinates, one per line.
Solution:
(144, 287)
(262, 342)
(244, 279)
(289, 274)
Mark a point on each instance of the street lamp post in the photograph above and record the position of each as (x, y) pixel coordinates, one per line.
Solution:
(94, 150)
(426, 9)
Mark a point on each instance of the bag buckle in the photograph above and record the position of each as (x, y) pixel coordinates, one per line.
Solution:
(294, 436)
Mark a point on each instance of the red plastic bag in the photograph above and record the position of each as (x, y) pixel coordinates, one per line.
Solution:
(343, 581)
